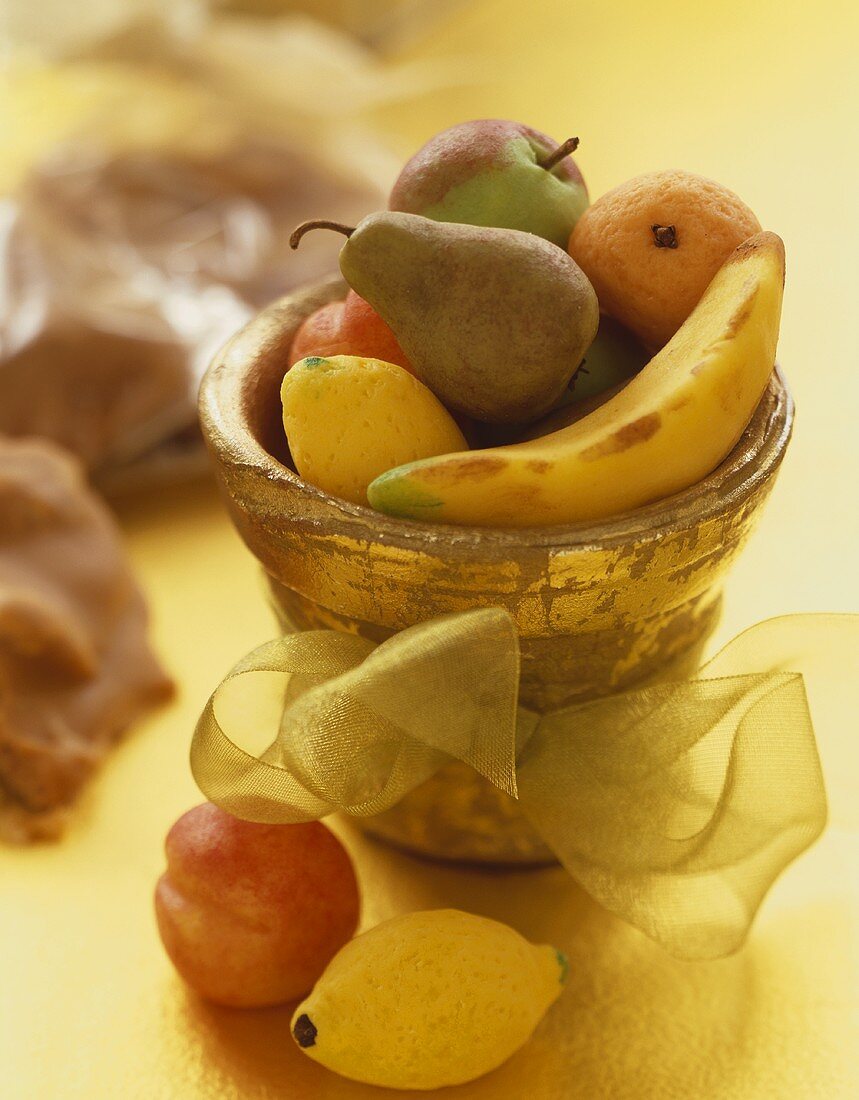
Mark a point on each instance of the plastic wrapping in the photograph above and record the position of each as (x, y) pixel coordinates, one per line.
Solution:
(123, 273)
(139, 242)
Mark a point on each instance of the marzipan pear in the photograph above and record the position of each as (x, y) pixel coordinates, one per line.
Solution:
(670, 426)
(494, 321)
(613, 358)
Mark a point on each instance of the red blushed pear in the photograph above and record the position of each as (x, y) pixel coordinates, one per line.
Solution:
(351, 327)
(250, 914)
(493, 172)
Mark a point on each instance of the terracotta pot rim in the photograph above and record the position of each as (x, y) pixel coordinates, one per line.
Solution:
(227, 389)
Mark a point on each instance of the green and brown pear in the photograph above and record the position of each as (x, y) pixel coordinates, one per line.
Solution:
(494, 321)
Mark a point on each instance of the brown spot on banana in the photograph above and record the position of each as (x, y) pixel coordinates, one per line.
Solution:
(538, 465)
(736, 321)
(637, 431)
(743, 311)
(521, 496)
(759, 240)
(476, 468)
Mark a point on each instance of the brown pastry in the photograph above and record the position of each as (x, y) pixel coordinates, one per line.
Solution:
(75, 665)
(121, 274)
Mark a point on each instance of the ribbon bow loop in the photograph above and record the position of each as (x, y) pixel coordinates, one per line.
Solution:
(359, 726)
(675, 806)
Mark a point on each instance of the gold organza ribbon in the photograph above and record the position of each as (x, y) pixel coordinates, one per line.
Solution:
(675, 806)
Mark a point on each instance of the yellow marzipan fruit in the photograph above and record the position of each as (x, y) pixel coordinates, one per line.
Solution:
(348, 418)
(428, 999)
(666, 430)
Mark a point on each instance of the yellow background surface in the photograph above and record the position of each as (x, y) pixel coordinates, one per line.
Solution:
(762, 97)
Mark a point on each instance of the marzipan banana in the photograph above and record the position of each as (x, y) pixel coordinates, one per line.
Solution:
(667, 429)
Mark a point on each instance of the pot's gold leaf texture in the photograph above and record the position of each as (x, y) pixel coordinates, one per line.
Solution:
(599, 607)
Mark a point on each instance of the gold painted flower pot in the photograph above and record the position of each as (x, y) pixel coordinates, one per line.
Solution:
(600, 607)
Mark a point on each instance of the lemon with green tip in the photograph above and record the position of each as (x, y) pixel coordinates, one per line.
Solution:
(348, 418)
(428, 999)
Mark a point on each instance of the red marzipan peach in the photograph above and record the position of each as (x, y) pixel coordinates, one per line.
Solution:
(320, 334)
(251, 914)
(364, 329)
(351, 327)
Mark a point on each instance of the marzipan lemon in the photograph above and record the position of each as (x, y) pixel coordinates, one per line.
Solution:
(428, 999)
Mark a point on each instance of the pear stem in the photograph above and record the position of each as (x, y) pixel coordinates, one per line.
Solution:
(305, 227)
(664, 236)
(557, 155)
